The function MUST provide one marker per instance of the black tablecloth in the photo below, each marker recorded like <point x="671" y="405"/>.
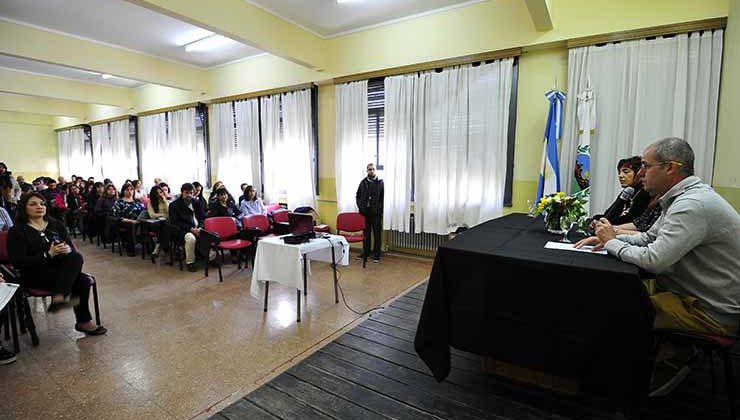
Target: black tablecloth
<point x="496" y="291"/>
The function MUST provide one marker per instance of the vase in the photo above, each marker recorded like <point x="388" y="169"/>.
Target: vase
<point x="552" y="222"/>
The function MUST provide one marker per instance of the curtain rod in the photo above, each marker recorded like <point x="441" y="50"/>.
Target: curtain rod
<point x="654" y="31"/>
<point x="70" y="127"/>
<point x="260" y="93"/>
<point x="110" y="120"/>
<point x="430" y="65"/>
<point x="168" y="109"/>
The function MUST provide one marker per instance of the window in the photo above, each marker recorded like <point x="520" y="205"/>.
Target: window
<point x="376" y="120"/>
<point x="376" y="127"/>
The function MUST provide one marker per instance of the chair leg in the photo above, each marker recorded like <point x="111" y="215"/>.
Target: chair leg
<point x="730" y="378"/>
<point x="96" y="303"/>
<point x="30" y="325"/>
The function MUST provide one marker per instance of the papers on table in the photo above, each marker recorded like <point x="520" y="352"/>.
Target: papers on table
<point x="569" y="247"/>
<point x="7" y="290"/>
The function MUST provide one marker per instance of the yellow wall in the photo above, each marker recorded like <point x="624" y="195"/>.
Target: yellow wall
<point x="726" y="173"/>
<point x="33" y="134"/>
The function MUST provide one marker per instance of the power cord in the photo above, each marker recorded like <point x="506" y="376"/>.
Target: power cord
<point x="339" y="285"/>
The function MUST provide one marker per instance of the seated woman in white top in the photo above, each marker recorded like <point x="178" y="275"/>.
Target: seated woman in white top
<point x="252" y="204"/>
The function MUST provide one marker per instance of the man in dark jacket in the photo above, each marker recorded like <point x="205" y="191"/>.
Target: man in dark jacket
<point x="188" y="215"/>
<point x="369" y="200"/>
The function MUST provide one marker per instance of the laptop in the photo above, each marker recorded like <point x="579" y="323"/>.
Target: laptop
<point x="301" y="228"/>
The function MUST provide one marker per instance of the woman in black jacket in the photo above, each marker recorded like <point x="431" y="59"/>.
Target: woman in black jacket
<point x="626" y="209"/>
<point x="222" y="207"/>
<point x="41" y="249"/>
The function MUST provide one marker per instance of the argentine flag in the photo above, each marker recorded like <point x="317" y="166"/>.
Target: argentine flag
<point x="550" y="169"/>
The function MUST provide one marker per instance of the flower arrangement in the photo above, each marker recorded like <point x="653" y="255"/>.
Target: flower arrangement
<point x="557" y="205"/>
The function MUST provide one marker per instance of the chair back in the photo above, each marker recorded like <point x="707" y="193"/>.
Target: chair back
<point x="4" y="257"/>
<point x="258" y="221"/>
<point x="224" y="226"/>
<point x="280" y="216"/>
<point x="350" y="222"/>
<point x="271" y="208"/>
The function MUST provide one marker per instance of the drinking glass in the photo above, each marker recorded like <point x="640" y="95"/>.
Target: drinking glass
<point x="531" y="207"/>
<point x="566" y="224"/>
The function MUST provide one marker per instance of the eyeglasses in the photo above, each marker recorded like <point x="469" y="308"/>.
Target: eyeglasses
<point x="646" y="165"/>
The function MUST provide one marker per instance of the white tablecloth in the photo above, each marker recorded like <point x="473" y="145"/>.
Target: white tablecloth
<point x="283" y="263"/>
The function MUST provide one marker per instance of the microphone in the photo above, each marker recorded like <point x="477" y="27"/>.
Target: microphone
<point x="627" y="193"/>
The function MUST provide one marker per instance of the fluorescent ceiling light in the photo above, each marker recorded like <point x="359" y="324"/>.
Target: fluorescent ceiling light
<point x="186" y="38"/>
<point x="106" y="76"/>
<point x="208" y="43"/>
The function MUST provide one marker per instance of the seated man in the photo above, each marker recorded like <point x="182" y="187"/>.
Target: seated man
<point x="693" y="249"/>
<point x="188" y="215"/>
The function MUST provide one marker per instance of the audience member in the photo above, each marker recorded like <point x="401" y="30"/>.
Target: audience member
<point x="41" y="249"/>
<point x="251" y="204"/>
<point x="8" y="181"/>
<point x="217" y="186"/>
<point x="92" y="198"/>
<point x="158" y="209"/>
<point x="166" y="189"/>
<point x="6" y="356"/>
<point x="188" y="215"/>
<point x="6" y="200"/>
<point x="369" y="199"/>
<point x="139" y="194"/>
<point x="6" y="222"/>
<point x="243" y="197"/>
<point x="198" y="194"/>
<point x="106" y="201"/>
<point x="127" y="209"/>
<point x="25" y="186"/>
<point x="222" y="207"/>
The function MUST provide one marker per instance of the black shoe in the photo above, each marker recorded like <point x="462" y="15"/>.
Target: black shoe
<point x="97" y="331"/>
<point x="6" y="357"/>
<point x="191" y="268"/>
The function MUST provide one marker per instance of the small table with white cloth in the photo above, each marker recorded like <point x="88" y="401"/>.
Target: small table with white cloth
<point x="283" y="263"/>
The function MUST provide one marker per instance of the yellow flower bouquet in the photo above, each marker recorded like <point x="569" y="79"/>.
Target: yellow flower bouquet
<point x="558" y="205"/>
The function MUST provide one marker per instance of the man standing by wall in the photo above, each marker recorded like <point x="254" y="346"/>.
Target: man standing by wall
<point x="369" y="200"/>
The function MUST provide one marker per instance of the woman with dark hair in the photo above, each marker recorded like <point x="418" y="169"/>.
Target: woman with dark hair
<point x="223" y="207"/>
<point x="93" y="195"/>
<point x="214" y="196"/>
<point x="252" y="204"/>
<point x="127" y="210"/>
<point x="166" y="189"/>
<point x="628" y="205"/>
<point x="139" y="193"/>
<point x="158" y="209"/>
<point x="41" y="249"/>
<point x="106" y="201"/>
<point x="198" y="194"/>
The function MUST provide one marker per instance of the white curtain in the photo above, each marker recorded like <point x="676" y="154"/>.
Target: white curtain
<point x="460" y="135"/>
<point x="272" y="146"/>
<point x="226" y="147"/>
<point x="399" y="118"/>
<point x="248" y="141"/>
<point x="351" y="135"/>
<point x="298" y="138"/>
<point x="114" y="154"/>
<point x="153" y="143"/>
<point x="185" y="164"/>
<point x="646" y="90"/>
<point x="74" y="157"/>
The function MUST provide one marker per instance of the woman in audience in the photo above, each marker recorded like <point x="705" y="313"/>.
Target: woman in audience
<point x="6" y="201"/>
<point x="139" y="194"/>
<point x="92" y="197"/>
<point x="166" y="189"/>
<point x="252" y="204"/>
<point x="106" y="201"/>
<point x="41" y="249"/>
<point x="627" y="207"/>
<point x="198" y="194"/>
<point x="74" y="204"/>
<point x="213" y="197"/>
<point x="158" y="208"/>
<point x="127" y="210"/>
<point x="6" y="222"/>
<point x="222" y="207"/>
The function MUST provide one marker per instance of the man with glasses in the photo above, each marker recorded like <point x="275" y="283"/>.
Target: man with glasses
<point x="693" y="249"/>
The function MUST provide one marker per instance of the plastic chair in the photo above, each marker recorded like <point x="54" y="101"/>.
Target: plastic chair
<point x="258" y="222"/>
<point x="349" y="224"/>
<point x="280" y="223"/>
<point x="224" y="228"/>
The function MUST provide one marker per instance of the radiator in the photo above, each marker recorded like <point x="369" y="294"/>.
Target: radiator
<point x="420" y="241"/>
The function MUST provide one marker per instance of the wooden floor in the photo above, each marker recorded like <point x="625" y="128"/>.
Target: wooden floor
<point x="373" y="372"/>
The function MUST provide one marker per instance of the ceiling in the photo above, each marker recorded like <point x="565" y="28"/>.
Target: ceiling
<point x="328" y="18"/>
<point x="46" y="69"/>
<point x="122" y="24"/>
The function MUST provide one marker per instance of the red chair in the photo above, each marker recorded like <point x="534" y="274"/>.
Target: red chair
<point x="280" y="222"/>
<point x="352" y="226"/>
<point x="270" y="208"/>
<point x="258" y="222"/>
<point x="224" y="228"/>
<point x="4" y="257"/>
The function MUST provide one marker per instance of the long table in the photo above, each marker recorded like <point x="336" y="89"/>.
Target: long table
<point x="495" y="291"/>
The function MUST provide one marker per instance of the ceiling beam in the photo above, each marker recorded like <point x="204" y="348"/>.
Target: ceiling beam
<point x="249" y="24"/>
<point x="36" y="44"/>
<point x="541" y="14"/>
<point x="36" y="105"/>
<point x="24" y="83"/>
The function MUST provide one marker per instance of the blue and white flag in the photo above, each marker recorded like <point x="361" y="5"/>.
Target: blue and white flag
<point x="549" y="182"/>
